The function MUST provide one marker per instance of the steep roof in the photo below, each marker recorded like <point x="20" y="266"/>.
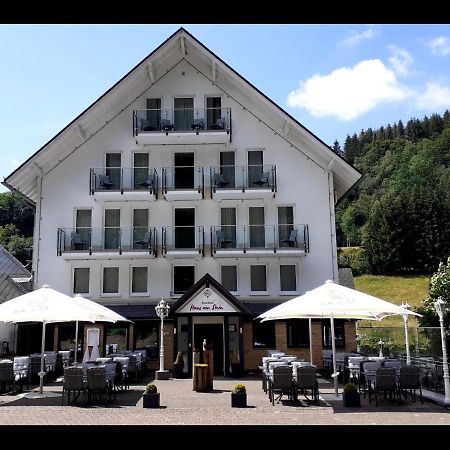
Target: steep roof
<point x="11" y="268"/>
<point x="181" y="45"/>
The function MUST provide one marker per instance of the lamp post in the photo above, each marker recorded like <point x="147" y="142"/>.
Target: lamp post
<point x="439" y="307"/>
<point x="162" y="311"/>
<point x="405" y="320"/>
<point x="381" y="343"/>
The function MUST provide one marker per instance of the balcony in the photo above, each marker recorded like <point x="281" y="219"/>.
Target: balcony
<point x="230" y="241"/>
<point x="124" y="183"/>
<point x="182" y="126"/>
<point x="183" y="183"/>
<point x="183" y="242"/>
<point x="106" y="243"/>
<point x="243" y="182"/>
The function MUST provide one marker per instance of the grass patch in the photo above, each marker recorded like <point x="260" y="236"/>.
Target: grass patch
<point x="394" y="289"/>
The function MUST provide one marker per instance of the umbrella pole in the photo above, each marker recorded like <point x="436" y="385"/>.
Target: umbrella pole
<point x="333" y="346"/>
<point x="310" y="342"/>
<point x="42" y="373"/>
<point x="76" y="342"/>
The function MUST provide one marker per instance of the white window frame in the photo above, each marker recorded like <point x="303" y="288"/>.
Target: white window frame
<point x="109" y="294"/>
<point x="237" y="276"/>
<point x="266" y="292"/>
<point x="282" y="293"/>
<point x="72" y="282"/>
<point x="139" y="294"/>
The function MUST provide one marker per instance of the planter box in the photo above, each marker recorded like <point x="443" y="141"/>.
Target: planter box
<point x="351" y="399"/>
<point x="238" y="400"/>
<point x="151" y="400"/>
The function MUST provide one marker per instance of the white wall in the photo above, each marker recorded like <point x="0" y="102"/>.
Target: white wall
<point x="300" y="183"/>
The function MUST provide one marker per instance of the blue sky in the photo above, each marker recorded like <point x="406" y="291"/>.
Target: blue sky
<point x="335" y="79"/>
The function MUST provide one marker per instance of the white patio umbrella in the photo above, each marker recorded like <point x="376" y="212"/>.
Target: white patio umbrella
<point x="334" y="301"/>
<point x="97" y="312"/>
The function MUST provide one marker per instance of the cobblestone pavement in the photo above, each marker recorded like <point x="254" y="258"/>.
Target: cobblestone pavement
<point x="180" y="405"/>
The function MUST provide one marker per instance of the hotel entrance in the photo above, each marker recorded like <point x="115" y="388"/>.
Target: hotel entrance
<point x="208" y="311"/>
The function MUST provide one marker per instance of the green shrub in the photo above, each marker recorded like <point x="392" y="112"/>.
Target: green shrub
<point x="239" y="389"/>
<point x="355" y="258"/>
<point x="350" y="387"/>
<point x="150" y="389"/>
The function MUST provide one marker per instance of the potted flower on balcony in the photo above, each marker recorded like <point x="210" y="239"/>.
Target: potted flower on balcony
<point x="351" y="396"/>
<point x="239" y="396"/>
<point x="151" y="396"/>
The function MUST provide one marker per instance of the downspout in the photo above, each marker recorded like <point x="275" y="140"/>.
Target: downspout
<point x="334" y="264"/>
<point x="37" y="234"/>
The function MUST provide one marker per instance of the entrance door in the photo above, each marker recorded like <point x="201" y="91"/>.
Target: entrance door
<point x="184" y="171"/>
<point x="213" y="333"/>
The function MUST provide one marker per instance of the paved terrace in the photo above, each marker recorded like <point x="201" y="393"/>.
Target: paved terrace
<point x="180" y="405"/>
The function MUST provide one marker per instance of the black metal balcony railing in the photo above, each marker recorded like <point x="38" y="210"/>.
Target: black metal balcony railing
<point x="271" y="237"/>
<point x="193" y="120"/>
<point x="183" y="178"/>
<point x="109" y="239"/>
<point x="123" y="179"/>
<point x="183" y="238"/>
<point x="244" y="177"/>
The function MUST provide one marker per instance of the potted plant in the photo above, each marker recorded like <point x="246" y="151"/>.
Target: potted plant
<point x="151" y="396"/>
<point x="351" y="397"/>
<point x="178" y="366"/>
<point x="239" y="396"/>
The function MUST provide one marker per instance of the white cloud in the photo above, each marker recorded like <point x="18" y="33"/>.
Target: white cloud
<point x="401" y="60"/>
<point x="355" y="37"/>
<point x="348" y="92"/>
<point x="440" y="46"/>
<point x="434" y="98"/>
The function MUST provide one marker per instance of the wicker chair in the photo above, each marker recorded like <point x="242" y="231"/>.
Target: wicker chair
<point x="73" y="382"/>
<point x="97" y="384"/>
<point x="281" y="383"/>
<point x="307" y="380"/>
<point x="385" y="382"/>
<point x="410" y="380"/>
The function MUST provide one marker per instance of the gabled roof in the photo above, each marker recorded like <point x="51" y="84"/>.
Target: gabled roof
<point x="205" y="282"/>
<point x="181" y="45"/>
<point x="11" y="268"/>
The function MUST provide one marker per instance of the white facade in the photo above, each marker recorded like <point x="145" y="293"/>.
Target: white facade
<point x="306" y="175"/>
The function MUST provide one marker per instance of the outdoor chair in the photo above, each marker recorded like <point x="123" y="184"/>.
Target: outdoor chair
<point x="7" y="377"/>
<point x="280" y="383"/>
<point x="97" y="385"/>
<point x="144" y="242"/>
<point x="263" y="181"/>
<point x="166" y="125"/>
<point x="219" y="181"/>
<point x="146" y="184"/>
<point x="77" y="242"/>
<point x="73" y="382"/>
<point x="221" y="241"/>
<point x="410" y="380"/>
<point x="219" y="125"/>
<point x="367" y="374"/>
<point x="104" y="182"/>
<point x="291" y="241"/>
<point x="307" y="381"/>
<point x="385" y="382"/>
<point x="197" y="124"/>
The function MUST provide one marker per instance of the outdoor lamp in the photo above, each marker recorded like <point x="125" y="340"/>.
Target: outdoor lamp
<point x="380" y="343"/>
<point x="162" y="311"/>
<point x="405" y="320"/>
<point x="439" y="306"/>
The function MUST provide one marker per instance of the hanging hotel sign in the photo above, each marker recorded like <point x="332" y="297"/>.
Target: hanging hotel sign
<point x="207" y="301"/>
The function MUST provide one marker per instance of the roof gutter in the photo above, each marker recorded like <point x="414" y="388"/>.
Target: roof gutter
<point x="20" y="194"/>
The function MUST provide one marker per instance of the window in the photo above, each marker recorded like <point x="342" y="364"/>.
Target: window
<point x="153" y="115"/>
<point x="141" y="174"/>
<point x="112" y="229"/>
<point x="83" y="223"/>
<point x="255" y="167"/>
<point x="141" y="231"/>
<point x="139" y="280"/>
<point x="183" y="113"/>
<point x="229" y="278"/>
<point x="285" y="224"/>
<point x="257" y="229"/>
<point x="116" y="339"/>
<point x="264" y="334"/>
<point x="297" y="332"/>
<point x="213" y="111"/>
<point x="258" y="280"/>
<point x="81" y="280"/>
<point x="113" y="169"/>
<point x="228" y="226"/>
<point x="110" y="280"/>
<point x="183" y="278"/>
<point x="339" y="333"/>
<point x="288" y="281"/>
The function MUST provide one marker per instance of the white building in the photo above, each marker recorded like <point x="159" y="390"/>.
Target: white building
<point x="182" y="169"/>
